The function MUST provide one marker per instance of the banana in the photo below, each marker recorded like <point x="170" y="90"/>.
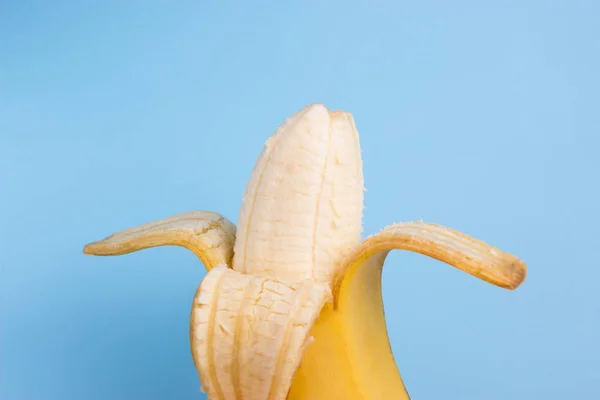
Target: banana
<point x="291" y="306"/>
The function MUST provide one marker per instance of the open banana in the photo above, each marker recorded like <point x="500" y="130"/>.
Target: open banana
<point x="291" y="307"/>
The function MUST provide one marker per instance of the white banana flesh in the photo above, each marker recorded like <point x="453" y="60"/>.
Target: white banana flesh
<point x="291" y="307"/>
<point x="302" y="211"/>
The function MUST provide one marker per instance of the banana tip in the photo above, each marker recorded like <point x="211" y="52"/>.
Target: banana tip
<point x="90" y="249"/>
<point x="518" y="273"/>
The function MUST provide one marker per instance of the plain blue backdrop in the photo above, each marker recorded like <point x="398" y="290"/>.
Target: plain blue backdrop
<point x="483" y="116"/>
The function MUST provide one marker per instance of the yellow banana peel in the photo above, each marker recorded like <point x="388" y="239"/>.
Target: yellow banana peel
<point x="291" y="306"/>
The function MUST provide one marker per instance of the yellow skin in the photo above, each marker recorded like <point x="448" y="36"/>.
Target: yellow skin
<point x="351" y="345"/>
<point x="345" y="353"/>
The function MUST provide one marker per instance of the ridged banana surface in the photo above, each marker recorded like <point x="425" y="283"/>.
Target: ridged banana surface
<point x="249" y="332"/>
<point x="291" y="306"/>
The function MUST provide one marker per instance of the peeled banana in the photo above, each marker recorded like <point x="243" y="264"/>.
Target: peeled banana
<point x="291" y="306"/>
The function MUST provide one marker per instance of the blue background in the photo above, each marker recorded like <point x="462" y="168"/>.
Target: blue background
<point x="483" y="116"/>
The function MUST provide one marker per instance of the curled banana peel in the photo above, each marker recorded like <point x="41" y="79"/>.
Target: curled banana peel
<point x="353" y="333"/>
<point x="208" y="235"/>
<point x="291" y="306"/>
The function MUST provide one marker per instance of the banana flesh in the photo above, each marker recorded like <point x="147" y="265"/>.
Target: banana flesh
<point x="302" y="211"/>
<point x="291" y="307"/>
